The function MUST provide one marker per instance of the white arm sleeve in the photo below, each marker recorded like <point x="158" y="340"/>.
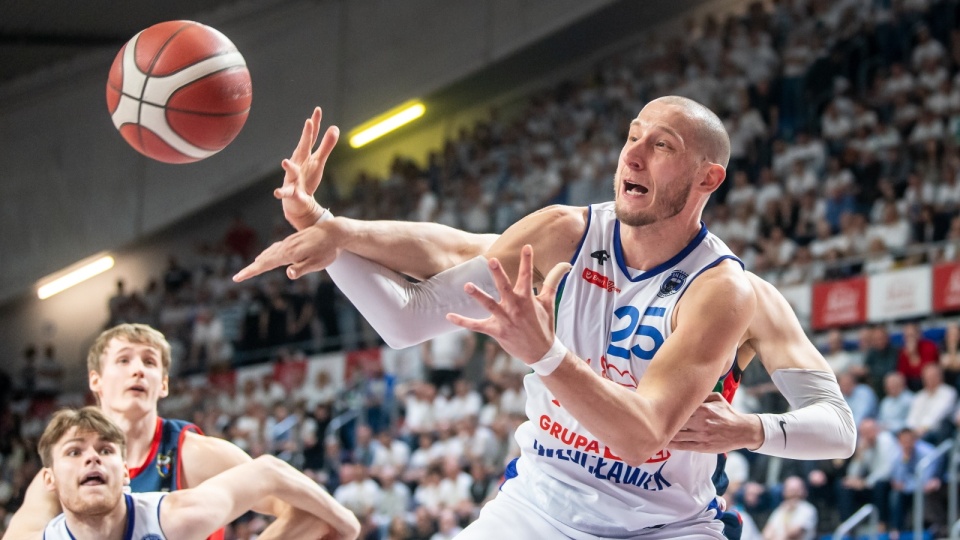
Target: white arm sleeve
<point x="820" y="424"/>
<point x="406" y="313"/>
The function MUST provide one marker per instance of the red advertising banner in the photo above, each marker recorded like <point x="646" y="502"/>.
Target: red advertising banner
<point x="839" y="303"/>
<point x="946" y="287"/>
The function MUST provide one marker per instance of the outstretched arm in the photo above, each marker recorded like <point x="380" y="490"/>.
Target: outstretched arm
<point x="206" y="457"/>
<point x="419" y="250"/>
<point x="198" y="512"/>
<point x="820" y="424"/>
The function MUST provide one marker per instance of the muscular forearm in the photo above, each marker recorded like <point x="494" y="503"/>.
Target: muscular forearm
<point x="295" y="523"/>
<point x="417" y="249"/>
<point x="590" y="398"/>
<point x="292" y="487"/>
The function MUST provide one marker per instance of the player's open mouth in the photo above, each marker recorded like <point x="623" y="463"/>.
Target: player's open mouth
<point x="93" y="479"/>
<point x="635" y="189"/>
<point x="137" y="388"/>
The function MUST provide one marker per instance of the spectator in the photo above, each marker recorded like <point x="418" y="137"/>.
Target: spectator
<point x="794" y="518"/>
<point x="860" y="397"/>
<point x="903" y="480"/>
<point x="950" y="355"/>
<point x="28" y="371"/>
<point x="836" y="355"/>
<point x="917" y="352"/>
<point x="446" y="356"/>
<point x="881" y="357"/>
<point x="357" y="492"/>
<point x="240" y="239"/>
<point x="931" y="406"/>
<point x="895" y="405"/>
<point x="394" y="500"/>
<point x="868" y="476"/>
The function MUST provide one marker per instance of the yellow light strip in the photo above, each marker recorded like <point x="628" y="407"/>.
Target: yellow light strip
<point x="79" y="275"/>
<point x="404" y="115"/>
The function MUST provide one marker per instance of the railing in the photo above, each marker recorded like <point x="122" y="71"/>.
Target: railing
<point x="866" y="511"/>
<point x="955" y="531"/>
<point x="922" y="466"/>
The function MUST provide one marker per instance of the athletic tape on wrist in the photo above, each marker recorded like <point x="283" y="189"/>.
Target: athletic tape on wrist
<point x="551" y="360"/>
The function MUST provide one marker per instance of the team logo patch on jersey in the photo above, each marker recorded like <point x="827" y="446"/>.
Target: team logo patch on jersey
<point x="672" y="284"/>
<point x="163" y="464"/>
<point x="152" y="537"/>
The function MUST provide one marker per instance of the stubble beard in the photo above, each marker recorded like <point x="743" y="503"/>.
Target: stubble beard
<point x="673" y="203"/>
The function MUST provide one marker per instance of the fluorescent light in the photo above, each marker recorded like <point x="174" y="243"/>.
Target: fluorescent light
<point x="394" y="119"/>
<point x="74" y="277"/>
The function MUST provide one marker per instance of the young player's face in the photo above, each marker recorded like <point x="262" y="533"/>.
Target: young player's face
<point x="87" y="473"/>
<point x="131" y="377"/>
<point x="656" y="168"/>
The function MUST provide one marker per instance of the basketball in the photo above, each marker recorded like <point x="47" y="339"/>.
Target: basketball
<point x="179" y="92"/>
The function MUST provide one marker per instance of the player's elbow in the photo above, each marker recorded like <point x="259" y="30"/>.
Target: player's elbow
<point x="847" y="441"/>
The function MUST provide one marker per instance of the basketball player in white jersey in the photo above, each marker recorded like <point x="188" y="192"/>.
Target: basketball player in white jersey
<point x="83" y="458"/>
<point x="128" y="367"/>
<point x="595" y="451"/>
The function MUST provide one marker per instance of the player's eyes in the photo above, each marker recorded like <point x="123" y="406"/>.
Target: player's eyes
<point x="106" y="450"/>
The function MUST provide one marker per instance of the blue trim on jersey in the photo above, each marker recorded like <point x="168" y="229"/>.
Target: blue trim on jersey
<point x="707" y="267"/>
<point x="131" y="518"/>
<point x="576" y="254"/>
<point x="509" y="472"/>
<point x="618" y="253"/>
<point x="158" y="512"/>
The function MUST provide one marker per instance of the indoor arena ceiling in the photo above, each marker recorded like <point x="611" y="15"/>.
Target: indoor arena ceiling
<point x="39" y="33"/>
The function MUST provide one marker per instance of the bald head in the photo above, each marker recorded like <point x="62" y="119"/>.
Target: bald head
<point x="710" y="136"/>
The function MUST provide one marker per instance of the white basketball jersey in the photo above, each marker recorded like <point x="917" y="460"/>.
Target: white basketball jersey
<point x="614" y="318"/>
<point x="143" y="519"/>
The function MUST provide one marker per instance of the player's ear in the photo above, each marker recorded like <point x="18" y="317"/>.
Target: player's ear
<point x="126" y="474"/>
<point x="95" y="382"/>
<point x="165" y="386"/>
<point x="49" y="481"/>
<point x="712" y="177"/>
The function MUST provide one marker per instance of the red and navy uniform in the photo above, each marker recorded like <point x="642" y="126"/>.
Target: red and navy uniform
<point x="162" y="470"/>
<point x="732" y="523"/>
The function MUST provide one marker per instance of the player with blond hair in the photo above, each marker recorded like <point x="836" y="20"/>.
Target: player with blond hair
<point x="83" y="454"/>
<point x="128" y="369"/>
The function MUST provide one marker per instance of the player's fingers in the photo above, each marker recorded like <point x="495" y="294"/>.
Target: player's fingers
<point x="714" y="396"/>
<point x="284" y="192"/>
<point x="485" y="300"/>
<point x="524" y="285"/>
<point x="260" y="265"/>
<point x="311" y="263"/>
<point x="293" y="171"/>
<point x="500" y="278"/>
<point x="552" y="281"/>
<point x="474" y="325"/>
<point x="302" y="150"/>
<point x="329" y="141"/>
<point x="315" y="125"/>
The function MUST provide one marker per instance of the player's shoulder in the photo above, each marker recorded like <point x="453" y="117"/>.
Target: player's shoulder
<point x="205" y="456"/>
<point x="560" y="216"/>
<point x="725" y="281"/>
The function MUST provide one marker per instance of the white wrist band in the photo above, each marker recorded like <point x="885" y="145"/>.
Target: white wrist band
<point x="551" y="360"/>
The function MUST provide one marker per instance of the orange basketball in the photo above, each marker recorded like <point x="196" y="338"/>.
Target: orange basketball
<point x="179" y="91"/>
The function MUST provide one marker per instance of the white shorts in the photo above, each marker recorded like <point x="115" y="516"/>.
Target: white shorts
<point x="510" y="518"/>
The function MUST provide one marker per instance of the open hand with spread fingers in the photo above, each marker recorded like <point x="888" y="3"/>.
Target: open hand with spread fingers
<point x="521" y="322"/>
<point x="303" y="172"/>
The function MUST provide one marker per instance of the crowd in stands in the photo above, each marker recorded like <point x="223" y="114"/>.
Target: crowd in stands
<point x="844" y="118"/>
